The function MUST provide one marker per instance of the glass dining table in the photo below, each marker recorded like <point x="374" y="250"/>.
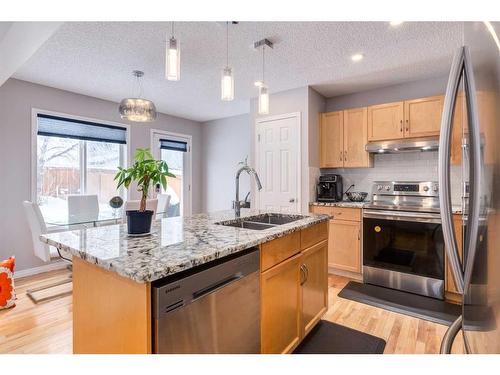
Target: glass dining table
<point x="106" y="216"/>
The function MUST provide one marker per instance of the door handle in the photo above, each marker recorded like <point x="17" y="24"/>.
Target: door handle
<point x="450" y="240"/>
<point x="450" y="335"/>
<point x="291" y="200"/>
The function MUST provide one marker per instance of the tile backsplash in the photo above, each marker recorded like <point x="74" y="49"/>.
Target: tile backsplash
<point x="414" y="166"/>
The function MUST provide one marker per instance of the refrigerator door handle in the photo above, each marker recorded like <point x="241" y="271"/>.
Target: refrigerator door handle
<point x="475" y="167"/>
<point x="445" y="208"/>
<point x="450" y="335"/>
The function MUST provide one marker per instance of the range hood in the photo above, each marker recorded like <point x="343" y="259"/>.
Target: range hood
<point x="403" y="145"/>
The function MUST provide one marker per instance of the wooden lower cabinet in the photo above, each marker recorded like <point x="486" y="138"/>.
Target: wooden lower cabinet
<point x="280" y="293"/>
<point x="294" y="295"/>
<point x="450" y="288"/>
<point x="344" y="252"/>
<point x="314" y="285"/>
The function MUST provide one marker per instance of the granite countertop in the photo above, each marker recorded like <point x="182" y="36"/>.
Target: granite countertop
<point x="341" y="204"/>
<point x="175" y="244"/>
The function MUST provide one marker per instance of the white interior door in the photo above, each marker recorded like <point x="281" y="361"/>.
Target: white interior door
<point x="179" y="162"/>
<point x="278" y="162"/>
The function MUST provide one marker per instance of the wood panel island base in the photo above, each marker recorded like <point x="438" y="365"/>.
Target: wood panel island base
<point x="112" y="300"/>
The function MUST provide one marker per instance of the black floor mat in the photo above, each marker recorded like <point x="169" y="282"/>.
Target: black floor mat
<point x="421" y="307"/>
<point x="331" y="338"/>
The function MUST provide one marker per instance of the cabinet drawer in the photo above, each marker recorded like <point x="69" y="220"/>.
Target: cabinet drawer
<point x="326" y="210"/>
<point x="346" y="213"/>
<point x="314" y="234"/>
<point x="276" y="251"/>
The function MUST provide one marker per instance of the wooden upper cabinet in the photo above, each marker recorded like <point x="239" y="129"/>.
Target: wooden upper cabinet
<point x="280" y="307"/>
<point x="385" y="121"/>
<point x="355" y="138"/>
<point x="331" y="134"/>
<point x="423" y="116"/>
<point x="314" y="285"/>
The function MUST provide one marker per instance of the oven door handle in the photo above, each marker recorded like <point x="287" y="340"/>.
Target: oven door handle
<point x="450" y="99"/>
<point x="421" y="217"/>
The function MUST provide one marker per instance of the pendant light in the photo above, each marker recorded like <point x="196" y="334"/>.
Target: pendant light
<point x="263" y="89"/>
<point x="227" y="80"/>
<point x="137" y="109"/>
<point x="173" y="59"/>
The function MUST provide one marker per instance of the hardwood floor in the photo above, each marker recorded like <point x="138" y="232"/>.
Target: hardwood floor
<point x="47" y="327"/>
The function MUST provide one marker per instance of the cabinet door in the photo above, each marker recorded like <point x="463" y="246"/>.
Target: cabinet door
<point x="344" y="250"/>
<point x="280" y="307"/>
<point x="331" y="135"/>
<point x="457" y="225"/>
<point x="314" y="269"/>
<point x="355" y="138"/>
<point x="423" y="116"/>
<point x="385" y="121"/>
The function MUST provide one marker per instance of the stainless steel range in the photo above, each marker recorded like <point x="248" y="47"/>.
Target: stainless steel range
<point x="403" y="245"/>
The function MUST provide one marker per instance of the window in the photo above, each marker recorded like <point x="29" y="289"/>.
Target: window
<point x="76" y="157"/>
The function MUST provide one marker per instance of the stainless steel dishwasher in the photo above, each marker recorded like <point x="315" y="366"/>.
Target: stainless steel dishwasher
<point x="214" y="308"/>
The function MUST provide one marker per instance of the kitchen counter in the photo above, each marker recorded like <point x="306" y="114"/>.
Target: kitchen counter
<point x="348" y="204"/>
<point x="174" y="245"/>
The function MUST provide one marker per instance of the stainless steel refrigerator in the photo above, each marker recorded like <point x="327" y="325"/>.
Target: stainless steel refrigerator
<point x="469" y="180"/>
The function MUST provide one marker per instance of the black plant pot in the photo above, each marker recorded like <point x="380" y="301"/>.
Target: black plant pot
<point x="139" y="222"/>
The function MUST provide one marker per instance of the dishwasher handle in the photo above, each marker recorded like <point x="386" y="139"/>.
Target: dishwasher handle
<point x="214" y="287"/>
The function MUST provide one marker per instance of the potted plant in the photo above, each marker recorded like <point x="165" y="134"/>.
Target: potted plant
<point x="147" y="172"/>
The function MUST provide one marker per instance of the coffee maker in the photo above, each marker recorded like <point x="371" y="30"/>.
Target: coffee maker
<point x="329" y="188"/>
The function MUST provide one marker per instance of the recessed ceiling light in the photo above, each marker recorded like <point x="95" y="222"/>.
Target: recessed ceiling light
<point x="357" y="57"/>
<point x="258" y="83"/>
<point x="396" y="23"/>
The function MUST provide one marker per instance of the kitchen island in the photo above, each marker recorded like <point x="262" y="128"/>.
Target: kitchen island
<point x="113" y="273"/>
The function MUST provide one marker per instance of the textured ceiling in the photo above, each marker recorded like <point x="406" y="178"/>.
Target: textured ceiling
<point x="96" y="59"/>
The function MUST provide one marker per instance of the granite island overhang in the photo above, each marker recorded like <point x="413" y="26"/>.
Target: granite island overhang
<point x="113" y="272"/>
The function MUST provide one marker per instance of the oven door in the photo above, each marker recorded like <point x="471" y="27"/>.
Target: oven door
<point x="404" y="250"/>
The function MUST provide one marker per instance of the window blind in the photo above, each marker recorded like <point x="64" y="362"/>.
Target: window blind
<point x="169" y="144"/>
<point x="55" y="126"/>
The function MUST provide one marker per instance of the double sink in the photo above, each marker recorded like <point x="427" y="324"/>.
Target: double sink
<point x="262" y="222"/>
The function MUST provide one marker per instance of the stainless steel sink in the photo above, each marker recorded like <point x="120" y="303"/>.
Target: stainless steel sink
<point x="261" y="222"/>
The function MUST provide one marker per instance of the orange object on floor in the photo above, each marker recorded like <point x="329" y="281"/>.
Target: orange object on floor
<point x="7" y="292"/>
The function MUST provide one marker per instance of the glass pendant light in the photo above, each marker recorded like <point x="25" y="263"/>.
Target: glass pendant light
<point x="263" y="90"/>
<point x="227" y="80"/>
<point x="137" y="109"/>
<point x="173" y="59"/>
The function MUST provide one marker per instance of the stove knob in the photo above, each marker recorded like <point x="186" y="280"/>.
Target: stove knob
<point x="379" y="187"/>
<point x="426" y="188"/>
<point x="387" y="187"/>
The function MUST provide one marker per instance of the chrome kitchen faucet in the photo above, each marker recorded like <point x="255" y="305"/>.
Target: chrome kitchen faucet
<point x="237" y="204"/>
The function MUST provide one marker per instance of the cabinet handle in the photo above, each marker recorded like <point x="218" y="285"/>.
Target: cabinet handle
<point x="359" y="234"/>
<point x="340" y="156"/>
<point x="302" y="274"/>
<point x="401" y="126"/>
<point x="407" y="126"/>
<point x="306" y="271"/>
<point x="345" y="155"/>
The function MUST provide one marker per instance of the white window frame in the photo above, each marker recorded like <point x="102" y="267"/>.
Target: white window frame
<point x="187" y="206"/>
<point x="34" y="144"/>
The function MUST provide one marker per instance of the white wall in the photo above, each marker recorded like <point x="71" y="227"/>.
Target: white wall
<point x="225" y="143"/>
<point x="393" y="93"/>
<point x="17" y="98"/>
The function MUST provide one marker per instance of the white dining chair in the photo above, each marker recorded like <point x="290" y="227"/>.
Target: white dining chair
<point x="151" y="204"/>
<point x="83" y="208"/>
<point x="163" y="205"/>
<point x="43" y="251"/>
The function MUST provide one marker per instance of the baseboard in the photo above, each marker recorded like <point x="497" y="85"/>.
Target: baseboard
<point x="41" y="269"/>
<point x="348" y="274"/>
